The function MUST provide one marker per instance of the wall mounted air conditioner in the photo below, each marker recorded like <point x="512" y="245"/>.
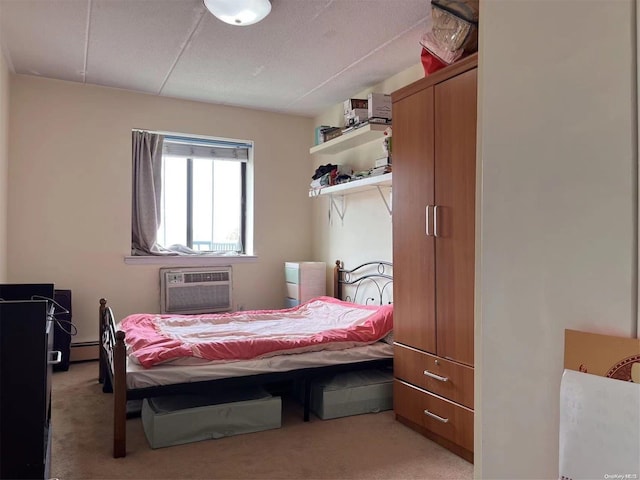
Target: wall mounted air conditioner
<point x="195" y="290"/>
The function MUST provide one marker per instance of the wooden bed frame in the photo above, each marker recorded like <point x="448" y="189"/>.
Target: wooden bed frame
<point x="112" y="373"/>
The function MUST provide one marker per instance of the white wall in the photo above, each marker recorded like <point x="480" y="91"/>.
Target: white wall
<point x="558" y="212"/>
<point x="70" y="192"/>
<point x="365" y="233"/>
<point x="4" y="163"/>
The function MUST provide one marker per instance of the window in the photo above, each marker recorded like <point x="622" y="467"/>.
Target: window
<point x="203" y="196"/>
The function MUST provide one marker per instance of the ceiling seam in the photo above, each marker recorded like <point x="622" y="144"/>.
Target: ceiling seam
<point x="182" y="49"/>
<point x="320" y="12"/>
<point x="87" y="31"/>
<point x="379" y="47"/>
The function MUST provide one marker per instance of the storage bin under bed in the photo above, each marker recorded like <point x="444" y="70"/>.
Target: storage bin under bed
<point x="352" y="393"/>
<point x="174" y="420"/>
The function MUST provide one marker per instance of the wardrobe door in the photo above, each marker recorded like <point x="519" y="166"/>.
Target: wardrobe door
<point x="413" y="248"/>
<point x="455" y="179"/>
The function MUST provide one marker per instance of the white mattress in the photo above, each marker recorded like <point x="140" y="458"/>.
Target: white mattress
<point x="167" y="374"/>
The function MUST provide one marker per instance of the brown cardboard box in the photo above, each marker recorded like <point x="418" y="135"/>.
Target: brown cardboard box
<point x="604" y="355"/>
<point x="353" y="103"/>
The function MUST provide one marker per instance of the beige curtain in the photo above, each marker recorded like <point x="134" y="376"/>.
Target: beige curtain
<point x="147" y="188"/>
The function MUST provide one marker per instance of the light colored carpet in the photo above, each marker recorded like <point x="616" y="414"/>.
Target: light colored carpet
<point x="371" y="446"/>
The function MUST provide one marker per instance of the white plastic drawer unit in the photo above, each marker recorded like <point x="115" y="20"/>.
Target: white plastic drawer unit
<point x="304" y="281"/>
<point x="292" y="272"/>
<point x="293" y="291"/>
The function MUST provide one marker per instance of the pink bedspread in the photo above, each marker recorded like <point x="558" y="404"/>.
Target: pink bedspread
<point x="323" y="323"/>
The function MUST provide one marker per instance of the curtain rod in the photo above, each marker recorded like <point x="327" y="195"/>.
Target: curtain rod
<point x="200" y="139"/>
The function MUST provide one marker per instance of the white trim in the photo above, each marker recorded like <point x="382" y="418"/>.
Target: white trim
<point x="189" y="260"/>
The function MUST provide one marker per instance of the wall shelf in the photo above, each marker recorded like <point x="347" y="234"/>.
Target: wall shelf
<point x="351" y="139"/>
<point x="355" y="186"/>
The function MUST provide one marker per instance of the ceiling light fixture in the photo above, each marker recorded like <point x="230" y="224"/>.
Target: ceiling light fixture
<point x="239" y="12"/>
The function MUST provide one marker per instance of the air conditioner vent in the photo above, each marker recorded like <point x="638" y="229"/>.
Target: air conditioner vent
<point x="206" y="277"/>
<point x="195" y="290"/>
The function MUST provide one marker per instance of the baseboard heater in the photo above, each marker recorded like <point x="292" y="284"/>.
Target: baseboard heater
<point x="83" y="351"/>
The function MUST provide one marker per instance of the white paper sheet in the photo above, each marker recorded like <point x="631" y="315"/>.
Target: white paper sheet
<point x="599" y="428"/>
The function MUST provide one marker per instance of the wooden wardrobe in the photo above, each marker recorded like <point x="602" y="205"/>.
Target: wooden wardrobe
<point x="434" y="179"/>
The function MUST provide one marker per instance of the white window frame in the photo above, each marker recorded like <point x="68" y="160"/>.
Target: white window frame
<point x="205" y="259"/>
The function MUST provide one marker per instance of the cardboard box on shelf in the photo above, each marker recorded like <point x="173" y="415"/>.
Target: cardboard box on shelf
<point x="331" y="133"/>
<point x="603" y="355"/>
<point x="379" y="105"/>
<point x="354" y="103"/>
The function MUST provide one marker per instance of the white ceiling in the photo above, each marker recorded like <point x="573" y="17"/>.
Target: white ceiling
<point x="305" y="57"/>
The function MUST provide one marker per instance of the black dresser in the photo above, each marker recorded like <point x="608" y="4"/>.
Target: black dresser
<point x="26" y="360"/>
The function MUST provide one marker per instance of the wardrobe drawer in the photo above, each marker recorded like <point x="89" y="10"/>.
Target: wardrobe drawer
<point x="443" y="377"/>
<point x="438" y="415"/>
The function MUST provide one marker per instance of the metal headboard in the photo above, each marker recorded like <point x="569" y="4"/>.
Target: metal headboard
<point x="378" y="274"/>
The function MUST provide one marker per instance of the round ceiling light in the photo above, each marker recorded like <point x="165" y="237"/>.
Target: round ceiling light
<point x="239" y="12"/>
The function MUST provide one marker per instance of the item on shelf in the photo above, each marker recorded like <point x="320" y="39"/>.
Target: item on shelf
<point x="330" y="133"/>
<point x="379" y="170"/>
<point x="355" y="136"/>
<point x="327" y="175"/>
<point x="322" y="170"/>
<point x="468" y="10"/>
<point x="319" y="137"/>
<point x="382" y="161"/>
<point x="353" y="104"/>
<point x="355" y="111"/>
<point x="355" y="126"/>
<point x="355" y="116"/>
<point x="430" y="62"/>
<point x="386" y="142"/>
<point x="451" y="35"/>
<point x="372" y="172"/>
<point x="379" y="106"/>
<point x="382" y="121"/>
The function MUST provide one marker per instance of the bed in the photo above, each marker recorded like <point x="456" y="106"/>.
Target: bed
<point x="369" y="284"/>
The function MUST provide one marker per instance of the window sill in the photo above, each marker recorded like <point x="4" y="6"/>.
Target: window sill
<point x="186" y="260"/>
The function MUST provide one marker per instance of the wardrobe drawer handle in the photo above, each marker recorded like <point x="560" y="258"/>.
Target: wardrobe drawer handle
<point x="437" y="417"/>
<point x="437" y="377"/>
